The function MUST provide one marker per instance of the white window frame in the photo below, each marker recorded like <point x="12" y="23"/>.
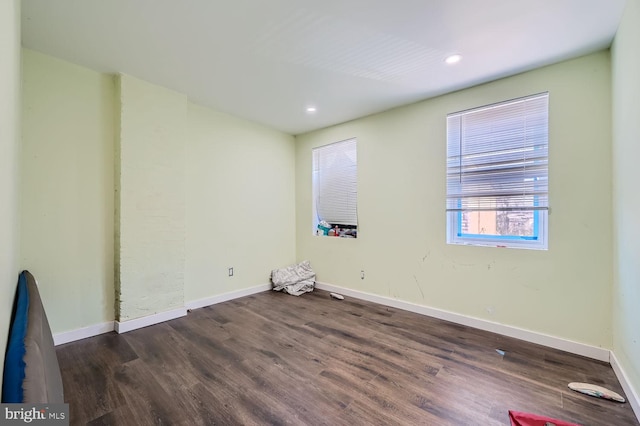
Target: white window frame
<point x="473" y="193"/>
<point x="341" y="193"/>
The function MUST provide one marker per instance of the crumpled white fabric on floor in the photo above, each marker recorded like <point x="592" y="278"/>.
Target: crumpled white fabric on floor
<point x="294" y="279"/>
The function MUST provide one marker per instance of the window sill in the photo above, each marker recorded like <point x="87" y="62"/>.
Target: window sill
<point x="506" y="245"/>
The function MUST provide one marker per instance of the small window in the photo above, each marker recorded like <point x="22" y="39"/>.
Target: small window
<point x="497" y="174"/>
<point x="335" y="189"/>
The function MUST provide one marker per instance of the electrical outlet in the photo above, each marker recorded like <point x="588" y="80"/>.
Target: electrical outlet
<point x="231" y="271"/>
<point x="362" y="274"/>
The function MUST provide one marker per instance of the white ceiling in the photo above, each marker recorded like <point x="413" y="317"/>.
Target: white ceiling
<point x="268" y="60"/>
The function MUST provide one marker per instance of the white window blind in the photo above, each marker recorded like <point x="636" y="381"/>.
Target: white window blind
<point x="335" y="176"/>
<point x="497" y="156"/>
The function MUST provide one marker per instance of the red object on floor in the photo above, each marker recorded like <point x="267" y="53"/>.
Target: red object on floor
<point x="527" y="419"/>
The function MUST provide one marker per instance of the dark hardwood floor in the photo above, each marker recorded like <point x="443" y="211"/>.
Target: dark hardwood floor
<point x="272" y="358"/>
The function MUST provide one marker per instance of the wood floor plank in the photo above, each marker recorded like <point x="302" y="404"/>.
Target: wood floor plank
<point x="87" y="367"/>
<point x="271" y="358"/>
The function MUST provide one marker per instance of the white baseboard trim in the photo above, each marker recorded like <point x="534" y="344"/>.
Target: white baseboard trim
<point x="224" y="297"/>
<point x="588" y="351"/>
<point x="630" y="392"/>
<point x="82" y="333"/>
<point x="125" y="326"/>
<point x="134" y="324"/>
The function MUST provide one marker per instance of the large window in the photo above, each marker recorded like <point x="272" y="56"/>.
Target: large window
<point x="335" y="189"/>
<point x="497" y="174"/>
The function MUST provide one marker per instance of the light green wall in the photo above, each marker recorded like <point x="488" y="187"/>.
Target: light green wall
<point x="67" y="189"/>
<point x="237" y="178"/>
<point x="564" y="292"/>
<point x="240" y="203"/>
<point x="9" y="162"/>
<point x="626" y="198"/>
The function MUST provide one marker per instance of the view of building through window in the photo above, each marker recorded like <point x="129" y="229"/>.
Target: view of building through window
<point x="500" y="222"/>
<point x="516" y="223"/>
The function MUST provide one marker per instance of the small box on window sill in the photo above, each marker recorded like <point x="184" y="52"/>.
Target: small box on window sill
<point x="323" y="229"/>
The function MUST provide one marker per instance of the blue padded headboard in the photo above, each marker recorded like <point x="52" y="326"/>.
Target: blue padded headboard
<point x="14" y="365"/>
<point x="31" y="369"/>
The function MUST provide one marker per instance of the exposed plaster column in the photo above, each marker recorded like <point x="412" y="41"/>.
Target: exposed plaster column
<point x="150" y="202"/>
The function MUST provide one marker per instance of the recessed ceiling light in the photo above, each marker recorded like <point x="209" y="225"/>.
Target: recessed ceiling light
<point x="311" y="109"/>
<point x="453" y="59"/>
